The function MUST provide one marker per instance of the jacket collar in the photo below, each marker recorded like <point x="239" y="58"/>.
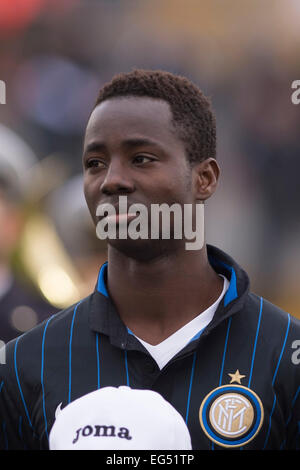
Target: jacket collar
<point x="235" y="297"/>
<point x="104" y="318"/>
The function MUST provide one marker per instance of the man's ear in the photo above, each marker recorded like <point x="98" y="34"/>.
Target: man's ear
<point x="205" y="177"/>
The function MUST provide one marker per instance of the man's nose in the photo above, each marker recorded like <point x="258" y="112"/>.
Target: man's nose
<point x="117" y="180"/>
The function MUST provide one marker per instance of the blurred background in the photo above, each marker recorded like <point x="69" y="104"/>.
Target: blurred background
<point x="54" y="57"/>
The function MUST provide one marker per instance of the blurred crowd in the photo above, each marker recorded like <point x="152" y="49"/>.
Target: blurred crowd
<point x="56" y="54"/>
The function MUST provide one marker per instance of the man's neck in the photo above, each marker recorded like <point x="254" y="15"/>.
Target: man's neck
<point x="156" y="298"/>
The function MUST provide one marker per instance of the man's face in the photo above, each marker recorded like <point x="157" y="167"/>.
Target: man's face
<point x="131" y="149"/>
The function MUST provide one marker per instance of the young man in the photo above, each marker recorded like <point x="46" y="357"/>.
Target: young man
<point x="176" y="321"/>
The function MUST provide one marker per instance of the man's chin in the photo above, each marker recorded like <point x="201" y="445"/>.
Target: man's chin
<point x="142" y="250"/>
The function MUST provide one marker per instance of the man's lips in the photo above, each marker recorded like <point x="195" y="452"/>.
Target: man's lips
<point x="119" y="218"/>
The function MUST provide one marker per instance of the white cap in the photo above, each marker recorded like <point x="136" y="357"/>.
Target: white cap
<point x="119" y="418"/>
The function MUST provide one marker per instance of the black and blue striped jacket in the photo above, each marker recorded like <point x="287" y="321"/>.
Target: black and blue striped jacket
<point x="87" y="346"/>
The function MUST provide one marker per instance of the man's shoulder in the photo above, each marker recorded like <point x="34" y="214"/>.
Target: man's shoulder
<point x="274" y="326"/>
<point x="273" y="313"/>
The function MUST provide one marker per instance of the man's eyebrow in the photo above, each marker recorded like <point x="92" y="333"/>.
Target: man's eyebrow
<point x="126" y="144"/>
<point x="138" y="142"/>
<point x="94" y="147"/>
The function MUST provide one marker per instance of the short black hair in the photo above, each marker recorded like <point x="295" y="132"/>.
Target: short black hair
<point x="193" y="118"/>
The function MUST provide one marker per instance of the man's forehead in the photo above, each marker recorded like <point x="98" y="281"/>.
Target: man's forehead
<point x="134" y="115"/>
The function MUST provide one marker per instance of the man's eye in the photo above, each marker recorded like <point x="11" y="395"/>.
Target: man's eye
<point x="94" y="163"/>
<point x="140" y="159"/>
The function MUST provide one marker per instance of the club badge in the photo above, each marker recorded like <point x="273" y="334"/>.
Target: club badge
<point x="231" y="415"/>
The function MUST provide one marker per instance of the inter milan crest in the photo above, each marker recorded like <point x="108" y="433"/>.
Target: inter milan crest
<point x="231" y="415"/>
